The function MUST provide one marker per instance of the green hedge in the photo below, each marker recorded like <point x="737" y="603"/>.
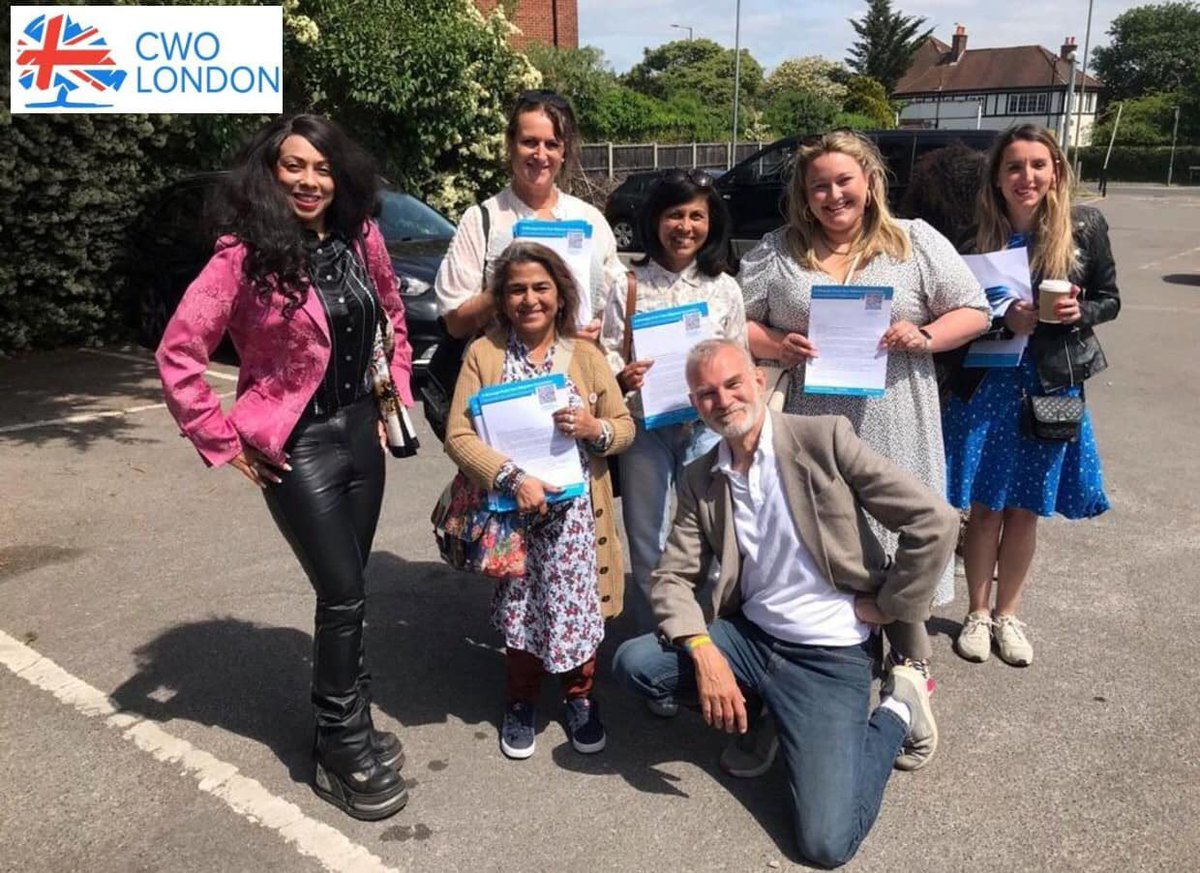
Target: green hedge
<point x="1140" y="163"/>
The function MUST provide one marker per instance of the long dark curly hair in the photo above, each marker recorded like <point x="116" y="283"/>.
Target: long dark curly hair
<point x="253" y="207"/>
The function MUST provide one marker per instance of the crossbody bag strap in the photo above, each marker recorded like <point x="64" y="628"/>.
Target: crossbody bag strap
<point x="485" y="218"/>
<point x="630" y="306"/>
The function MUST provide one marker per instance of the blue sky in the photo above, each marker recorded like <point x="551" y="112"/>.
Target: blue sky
<point x="774" y="30"/>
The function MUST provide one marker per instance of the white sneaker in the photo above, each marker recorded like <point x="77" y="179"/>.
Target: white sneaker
<point x="975" y="639"/>
<point x="1012" y="644"/>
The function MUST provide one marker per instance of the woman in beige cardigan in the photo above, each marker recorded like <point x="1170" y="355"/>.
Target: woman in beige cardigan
<point x="552" y="618"/>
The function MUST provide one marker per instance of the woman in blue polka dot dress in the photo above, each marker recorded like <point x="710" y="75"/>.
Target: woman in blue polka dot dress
<point x="1008" y="479"/>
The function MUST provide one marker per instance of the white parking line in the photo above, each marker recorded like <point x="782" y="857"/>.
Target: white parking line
<point x="245" y="796"/>
<point x="85" y="417"/>
<point x="1160" y="261"/>
<point x="149" y="362"/>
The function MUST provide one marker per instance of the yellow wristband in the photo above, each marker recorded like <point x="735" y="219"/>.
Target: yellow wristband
<point x="693" y="643"/>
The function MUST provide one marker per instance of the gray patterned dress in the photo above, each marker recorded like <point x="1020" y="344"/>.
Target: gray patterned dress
<point x="905" y="424"/>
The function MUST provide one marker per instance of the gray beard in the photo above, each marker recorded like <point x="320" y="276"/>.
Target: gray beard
<point x="735" y="431"/>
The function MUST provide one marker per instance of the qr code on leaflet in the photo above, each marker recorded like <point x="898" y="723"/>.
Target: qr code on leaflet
<point x="545" y="395"/>
<point x="575" y="240"/>
<point x="873" y="301"/>
<point x="691" y="321"/>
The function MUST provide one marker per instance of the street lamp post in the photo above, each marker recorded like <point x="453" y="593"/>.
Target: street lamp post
<point x="737" y="79"/>
<point x="684" y="27"/>
<point x="1066" y="131"/>
<point x="1087" y="41"/>
<point x="1174" y="137"/>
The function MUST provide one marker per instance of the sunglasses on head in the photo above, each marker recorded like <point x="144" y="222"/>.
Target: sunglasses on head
<point x="543" y="96"/>
<point x="700" y="178"/>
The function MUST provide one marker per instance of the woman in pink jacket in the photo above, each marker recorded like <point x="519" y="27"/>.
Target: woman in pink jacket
<point x="300" y="282"/>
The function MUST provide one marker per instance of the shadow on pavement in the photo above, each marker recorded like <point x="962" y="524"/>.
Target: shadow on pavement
<point x="52" y="386"/>
<point x="946" y="627"/>
<point x="247" y="678"/>
<point x="1182" y="278"/>
<point x="432" y="654"/>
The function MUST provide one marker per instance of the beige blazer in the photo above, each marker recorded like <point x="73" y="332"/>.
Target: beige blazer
<point x="482" y="366"/>
<point x="830" y="478"/>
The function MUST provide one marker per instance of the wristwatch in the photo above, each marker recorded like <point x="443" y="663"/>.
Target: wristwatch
<point x="928" y="338"/>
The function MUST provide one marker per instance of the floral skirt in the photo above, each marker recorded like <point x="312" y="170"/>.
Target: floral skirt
<point x="553" y="611"/>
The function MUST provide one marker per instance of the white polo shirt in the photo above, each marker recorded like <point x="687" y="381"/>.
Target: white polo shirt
<point x="784" y="592"/>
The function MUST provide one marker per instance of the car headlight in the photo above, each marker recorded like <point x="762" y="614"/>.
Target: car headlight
<point x="412" y="287"/>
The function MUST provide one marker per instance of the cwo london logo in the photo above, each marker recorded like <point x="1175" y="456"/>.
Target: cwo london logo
<point x="179" y="59"/>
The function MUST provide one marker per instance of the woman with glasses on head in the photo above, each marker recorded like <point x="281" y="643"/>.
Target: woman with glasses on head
<point x="552" y="617"/>
<point x="1009" y="478"/>
<point x="542" y="141"/>
<point x="840" y="231"/>
<point x="685" y="225"/>
<point x="302" y="283"/>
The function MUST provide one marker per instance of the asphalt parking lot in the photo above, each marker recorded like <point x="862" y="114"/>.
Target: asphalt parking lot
<point x="155" y="633"/>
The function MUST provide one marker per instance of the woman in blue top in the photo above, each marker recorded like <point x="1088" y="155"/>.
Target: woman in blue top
<point x="1007" y="478"/>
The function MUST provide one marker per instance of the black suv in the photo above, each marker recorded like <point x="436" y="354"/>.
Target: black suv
<point x="756" y="188"/>
<point x="172" y="244"/>
<point x="621" y="209"/>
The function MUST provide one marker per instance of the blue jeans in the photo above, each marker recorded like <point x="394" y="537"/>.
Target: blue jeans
<point x="649" y="470"/>
<point x="839" y="755"/>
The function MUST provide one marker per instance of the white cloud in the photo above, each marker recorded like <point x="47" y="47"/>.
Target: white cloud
<point x="777" y="29"/>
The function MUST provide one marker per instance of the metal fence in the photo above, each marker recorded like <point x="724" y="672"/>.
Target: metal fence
<point x="612" y="159"/>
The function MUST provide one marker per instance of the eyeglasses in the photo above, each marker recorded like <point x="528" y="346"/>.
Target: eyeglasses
<point x="542" y="95"/>
<point x="702" y="179"/>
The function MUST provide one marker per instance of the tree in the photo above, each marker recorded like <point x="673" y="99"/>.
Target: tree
<point x="1154" y="49"/>
<point x="700" y="67"/>
<point x="812" y="74"/>
<point x="425" y="85"/>
<point x="625" y="115"/>
<point x="799" y="112"/>
<point x="581" y="75"/>
<point x="867" y="98"/>
<point x="887" y="41"/>
<point x="1144" y="121"/>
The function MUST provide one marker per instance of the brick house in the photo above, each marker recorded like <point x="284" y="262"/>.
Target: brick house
<point x="552" y="22"/>
<point x="953" y="87"/>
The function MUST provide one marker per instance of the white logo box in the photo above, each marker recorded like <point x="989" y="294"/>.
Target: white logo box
<point x="160" y="59"/>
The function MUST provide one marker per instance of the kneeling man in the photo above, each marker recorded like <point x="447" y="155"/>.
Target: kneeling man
<point x="780" y="502"/>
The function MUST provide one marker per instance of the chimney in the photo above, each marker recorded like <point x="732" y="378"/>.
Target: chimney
<point x="958" y="44"/>
<point x="1067" y="47"/>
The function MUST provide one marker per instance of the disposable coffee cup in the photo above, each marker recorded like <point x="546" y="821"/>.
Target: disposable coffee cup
<point x="1049" y="293"/>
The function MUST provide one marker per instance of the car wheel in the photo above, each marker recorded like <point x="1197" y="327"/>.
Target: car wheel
<point x="623" y="233"/>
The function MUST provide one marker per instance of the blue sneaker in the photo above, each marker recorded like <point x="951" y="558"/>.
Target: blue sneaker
<point x="517" y="736"/>
<point x="581" y="717"/>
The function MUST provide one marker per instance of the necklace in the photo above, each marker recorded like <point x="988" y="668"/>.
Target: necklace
<point x="833" y="251"/>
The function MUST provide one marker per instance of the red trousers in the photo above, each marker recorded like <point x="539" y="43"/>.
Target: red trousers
<point x="523" y="674"/>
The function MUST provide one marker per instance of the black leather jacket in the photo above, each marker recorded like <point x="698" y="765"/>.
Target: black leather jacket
<point x="1065" y="354"/>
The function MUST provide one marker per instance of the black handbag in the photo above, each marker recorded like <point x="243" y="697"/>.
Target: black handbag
<point x="442" y="374"/>
<point x="1052" y="418"/>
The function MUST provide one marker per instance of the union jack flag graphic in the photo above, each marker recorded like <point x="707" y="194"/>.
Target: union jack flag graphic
<point x="57" y="53"/>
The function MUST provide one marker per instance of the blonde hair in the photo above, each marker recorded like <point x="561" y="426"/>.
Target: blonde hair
<point x="881" y="234"/>
<point x="1052" y="250"/>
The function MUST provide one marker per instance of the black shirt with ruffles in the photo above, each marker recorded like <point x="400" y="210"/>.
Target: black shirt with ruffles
<point x="344" y="288"/>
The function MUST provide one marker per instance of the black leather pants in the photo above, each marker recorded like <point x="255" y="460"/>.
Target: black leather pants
<point x="327" y="507"/>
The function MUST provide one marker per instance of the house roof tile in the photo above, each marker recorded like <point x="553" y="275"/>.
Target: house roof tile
<point x="986" y="69"/>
